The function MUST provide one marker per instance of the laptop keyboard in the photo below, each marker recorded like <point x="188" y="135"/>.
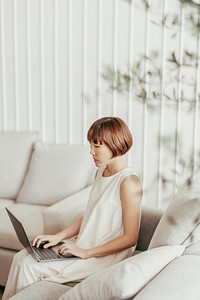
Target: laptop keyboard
<point x="47" y="254"/>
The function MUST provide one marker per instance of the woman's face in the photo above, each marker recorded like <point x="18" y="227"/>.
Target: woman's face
<point x="101" y="153"/>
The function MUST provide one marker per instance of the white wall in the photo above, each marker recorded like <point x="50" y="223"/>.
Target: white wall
<point x="52" y="57"/>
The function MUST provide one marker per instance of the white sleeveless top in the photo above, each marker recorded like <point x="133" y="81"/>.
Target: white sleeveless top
<point x="102" y="221"/>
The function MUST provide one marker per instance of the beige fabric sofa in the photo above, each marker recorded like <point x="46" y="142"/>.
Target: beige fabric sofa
<point x="45" y="186"/>
<point x="178" y="280"/>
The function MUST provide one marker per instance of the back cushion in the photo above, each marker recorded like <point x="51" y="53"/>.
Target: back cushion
<point x="15" y="152"/>
<point x="180" y="223"/>
<point x="56" y="171"/>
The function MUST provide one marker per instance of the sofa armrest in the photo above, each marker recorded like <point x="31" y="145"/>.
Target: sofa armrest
<point x="65" y="212"/>
<point x="41" y="290"/>
<point x="149" y="221"/>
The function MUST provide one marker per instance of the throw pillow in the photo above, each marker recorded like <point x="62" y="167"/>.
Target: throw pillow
<point x="15" y="154"/>
<point x="55" y="172"/>
<point x="180" y="221"/>
<point x="126" y="278"/>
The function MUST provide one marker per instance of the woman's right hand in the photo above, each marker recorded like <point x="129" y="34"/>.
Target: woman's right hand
<point x="49" y="240"/>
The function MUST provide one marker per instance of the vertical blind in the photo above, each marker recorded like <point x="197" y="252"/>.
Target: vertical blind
<point x="65" y="63"/>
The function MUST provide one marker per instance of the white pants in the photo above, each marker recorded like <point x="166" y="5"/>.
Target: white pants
<point x="25" y="270"/>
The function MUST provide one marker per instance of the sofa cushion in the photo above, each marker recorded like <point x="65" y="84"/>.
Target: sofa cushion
<point x="178" y="281"/>
<point x="193" y="249"/>
<point x="6" y="203"/>
<point x="15" y="153"/>
<point x="124" y="279"/>
<point x="27" y="215"/>
<point x="55" y="172"/>
<point x="180" y="221"/>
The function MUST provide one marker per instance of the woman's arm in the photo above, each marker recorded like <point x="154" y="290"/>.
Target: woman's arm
<point x="130" y="194"/>
<point x="54" y="239"/>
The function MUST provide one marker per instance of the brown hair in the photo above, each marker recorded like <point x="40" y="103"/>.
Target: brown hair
<point x="114" y="132"/>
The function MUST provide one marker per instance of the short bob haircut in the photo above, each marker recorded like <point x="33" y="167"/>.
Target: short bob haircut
<point x="112" y="131"/>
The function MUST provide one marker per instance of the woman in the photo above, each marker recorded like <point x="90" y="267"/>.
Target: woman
<point x="108" y="232"/>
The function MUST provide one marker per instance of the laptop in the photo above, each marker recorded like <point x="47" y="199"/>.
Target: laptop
<point x="40" y="254"/>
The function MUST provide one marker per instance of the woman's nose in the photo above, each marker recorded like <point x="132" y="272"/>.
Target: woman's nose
<point x="92" y="151"/>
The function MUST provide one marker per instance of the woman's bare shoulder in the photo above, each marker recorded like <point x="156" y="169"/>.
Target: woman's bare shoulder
<point x="131" y="184"/>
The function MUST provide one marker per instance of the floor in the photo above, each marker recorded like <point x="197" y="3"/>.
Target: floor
<point x="1" y="291"/>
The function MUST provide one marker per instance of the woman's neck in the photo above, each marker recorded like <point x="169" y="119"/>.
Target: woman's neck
<point x="117" y="164"/>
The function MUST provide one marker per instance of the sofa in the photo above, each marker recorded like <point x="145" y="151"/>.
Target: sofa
<point x="46" y="186"/>
<point x="175" y="279"/>
<point x="166" y="263"/>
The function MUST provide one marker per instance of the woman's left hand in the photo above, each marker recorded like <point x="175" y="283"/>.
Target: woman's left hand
<point x="72" y="248"/>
